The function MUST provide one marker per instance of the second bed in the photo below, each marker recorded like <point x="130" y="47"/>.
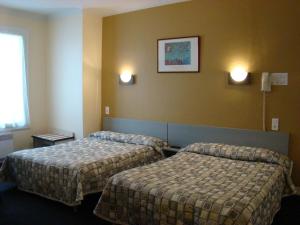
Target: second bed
<point x="203" y="184"/>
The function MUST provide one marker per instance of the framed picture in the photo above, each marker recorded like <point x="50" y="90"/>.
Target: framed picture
<point x="178" y="55"/>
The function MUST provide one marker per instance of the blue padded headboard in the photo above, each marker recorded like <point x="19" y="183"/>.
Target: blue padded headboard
<point x="182" y="135"/>
<point x="150" y="128"/>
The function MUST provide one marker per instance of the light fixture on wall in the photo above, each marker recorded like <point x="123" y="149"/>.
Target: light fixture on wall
<point x="126" y="78"/>
<point x="239" y="76"/>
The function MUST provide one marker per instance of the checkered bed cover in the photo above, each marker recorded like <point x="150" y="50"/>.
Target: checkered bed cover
<point x="205" y="184"/>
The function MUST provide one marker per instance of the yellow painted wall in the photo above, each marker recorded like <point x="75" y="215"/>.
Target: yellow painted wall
<point x="262" y="35"/>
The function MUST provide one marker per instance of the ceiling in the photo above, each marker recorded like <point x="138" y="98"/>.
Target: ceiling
<point x="108" y="7"/>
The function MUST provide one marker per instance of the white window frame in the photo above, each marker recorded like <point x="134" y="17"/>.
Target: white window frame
<point x="24" y="34"/>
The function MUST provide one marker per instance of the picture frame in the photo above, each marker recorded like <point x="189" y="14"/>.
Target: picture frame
<point x="178" y="55"/>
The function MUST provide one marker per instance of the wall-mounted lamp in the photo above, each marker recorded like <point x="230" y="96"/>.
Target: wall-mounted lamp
<point x="126" y="78"/>
<point x="238" y="76"/>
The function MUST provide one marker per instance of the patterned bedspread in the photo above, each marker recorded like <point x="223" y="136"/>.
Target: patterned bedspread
<point x="67" y="172"/>
<point x="204" y="184"/>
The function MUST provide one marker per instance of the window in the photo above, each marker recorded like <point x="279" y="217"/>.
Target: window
<point x="13" y="88"/>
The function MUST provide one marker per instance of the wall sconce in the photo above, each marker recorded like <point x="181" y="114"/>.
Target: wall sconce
<point x="238" y="76"/>
<point x="126" y="78"/>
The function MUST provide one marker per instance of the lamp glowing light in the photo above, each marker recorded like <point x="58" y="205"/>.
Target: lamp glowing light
<point x="126" y="77"/>
<point x="238" y="75"/>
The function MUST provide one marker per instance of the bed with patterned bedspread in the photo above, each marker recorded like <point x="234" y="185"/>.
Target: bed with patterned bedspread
<point x="203" y="184"/>
<point x="68" y="171"/>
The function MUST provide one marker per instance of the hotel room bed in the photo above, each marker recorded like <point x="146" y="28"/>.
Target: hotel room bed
<point x="203" y="184"/>
<point x="68" y="171"/>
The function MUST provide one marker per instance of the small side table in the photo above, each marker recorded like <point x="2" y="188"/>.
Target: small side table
<point x="170" y="151"/>
<point x="43" y="140"/>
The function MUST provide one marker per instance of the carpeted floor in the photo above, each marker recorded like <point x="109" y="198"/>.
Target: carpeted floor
<point x="20" y="208"/>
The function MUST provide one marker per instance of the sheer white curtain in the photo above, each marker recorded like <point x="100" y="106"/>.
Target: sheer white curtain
<point x="13" y="88"/>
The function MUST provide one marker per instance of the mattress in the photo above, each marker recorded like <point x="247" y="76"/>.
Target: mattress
<point x="203" y="184"/>
<point x="68" y="171"/>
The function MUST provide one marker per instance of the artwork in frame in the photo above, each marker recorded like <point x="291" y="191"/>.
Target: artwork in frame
<point x="178" y="55"/>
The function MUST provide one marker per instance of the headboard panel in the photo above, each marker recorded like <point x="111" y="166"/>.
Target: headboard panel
<point x="182" y="135"/>
<point x="150" y="128"/>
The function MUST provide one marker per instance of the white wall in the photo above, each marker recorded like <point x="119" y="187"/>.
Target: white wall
<point x="64" y="64"/>
<point x="64" y="81"/>
<point x="92" y="53"/>
<point x="35" y="26"/>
